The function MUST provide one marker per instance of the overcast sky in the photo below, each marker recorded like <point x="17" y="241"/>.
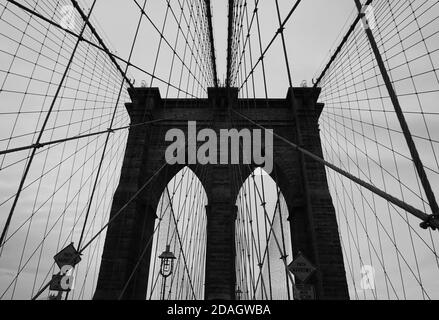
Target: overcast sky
<point x="314" y="30"/>
<point x="311" y="33"/>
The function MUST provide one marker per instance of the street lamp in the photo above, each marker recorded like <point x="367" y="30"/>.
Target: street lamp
<point x="167" y="266"/>
<point x="239" y="294"/>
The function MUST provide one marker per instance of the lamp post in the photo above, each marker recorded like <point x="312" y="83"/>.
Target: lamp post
<point x="239" y="294"/>
<point x="166" y="267"/>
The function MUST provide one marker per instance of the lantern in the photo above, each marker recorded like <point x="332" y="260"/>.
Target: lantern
<point x="166" y="267"/>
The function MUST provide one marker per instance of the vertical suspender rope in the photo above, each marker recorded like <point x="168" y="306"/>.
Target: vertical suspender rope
<point x="40" y="135"/>
<point x="402" y="121"/>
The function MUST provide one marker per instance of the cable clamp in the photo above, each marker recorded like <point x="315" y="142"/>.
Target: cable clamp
<point x="432" y="222"/>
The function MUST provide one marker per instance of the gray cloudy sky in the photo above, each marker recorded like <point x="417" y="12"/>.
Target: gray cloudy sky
<point x="312" y="34"/>
<point x="313" y="31"/>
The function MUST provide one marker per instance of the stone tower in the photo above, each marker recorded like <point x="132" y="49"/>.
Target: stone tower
<point x="314" y="230"/>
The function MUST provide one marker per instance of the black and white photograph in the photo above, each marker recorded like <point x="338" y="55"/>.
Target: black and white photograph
<point x="230" y="153"/>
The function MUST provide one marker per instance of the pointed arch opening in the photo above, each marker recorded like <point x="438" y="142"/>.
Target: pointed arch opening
<point x="263" y="241"/>
<point x="180" y="230"/>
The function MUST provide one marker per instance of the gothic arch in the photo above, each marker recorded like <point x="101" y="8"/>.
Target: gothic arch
<point x="262" y="226"/>
<point x="312" y="219"/>
<point x="181" y="220"/>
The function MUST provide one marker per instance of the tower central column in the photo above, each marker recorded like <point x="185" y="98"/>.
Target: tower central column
<point x="221" y="217"/>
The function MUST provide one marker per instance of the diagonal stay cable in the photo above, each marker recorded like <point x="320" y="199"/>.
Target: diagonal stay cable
<point x="101" y="42"/>
<point x="81" y="38"/>
<point x="146" y="248"/>
<point x="404" y="125"/>
<point x="278" y="32"/>
<point x="133" y="44"/>
<point x="46" y="121"/>
<point x="403" y="205"/>
<point x="116" y="215"/>
<point x="340" y="47"/>
<point x="78" y="137"/>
